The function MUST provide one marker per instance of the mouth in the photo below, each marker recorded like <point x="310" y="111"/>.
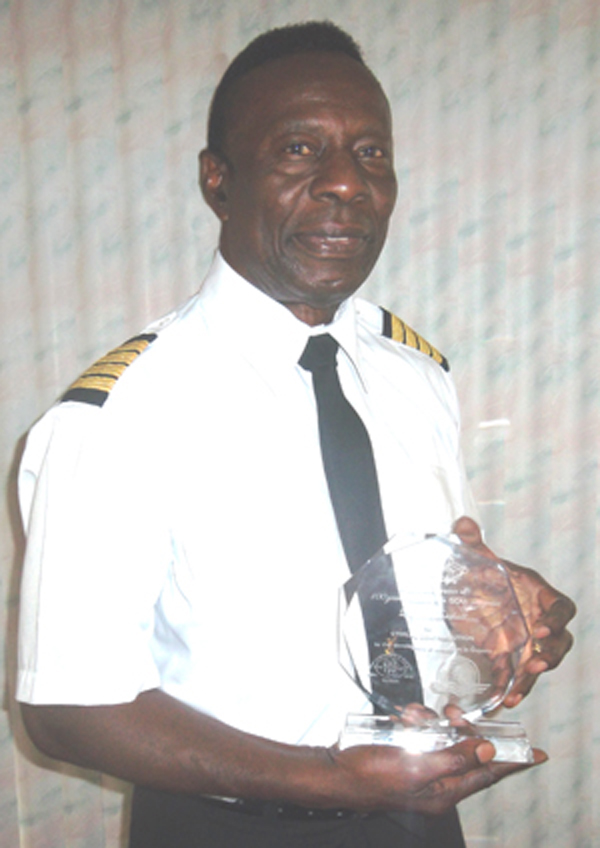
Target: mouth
<point x="330" y="242"/>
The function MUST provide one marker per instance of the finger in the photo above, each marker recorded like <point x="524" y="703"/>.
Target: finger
<point x="556" y="609"/>
<point x="459" y="759"/>
<point x="439" y="796"/>
<point x="454" y="714"/>
<point x="520" y="690"/>
<point x="468" y="531"/>
<point x="456" y="718"/>
<point x="548" y="655"/>
<point x="415" y="715"/>
<point x="558" y="614"/>
<point x="491" y="773"/>
<point x="549" y="652"/>
<point x="525" y="681"/>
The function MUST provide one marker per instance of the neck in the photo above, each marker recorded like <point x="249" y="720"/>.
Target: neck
<point x="311" y="315"/>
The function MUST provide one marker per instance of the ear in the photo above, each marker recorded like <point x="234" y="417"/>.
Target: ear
<point x="213" y="183"/>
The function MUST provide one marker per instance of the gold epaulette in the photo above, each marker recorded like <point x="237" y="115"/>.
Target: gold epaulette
<point x="395" y="328"/>
<point x="95" y="384"/>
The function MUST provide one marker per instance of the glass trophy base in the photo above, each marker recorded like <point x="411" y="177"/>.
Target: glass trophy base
<point x="508" y="737"/>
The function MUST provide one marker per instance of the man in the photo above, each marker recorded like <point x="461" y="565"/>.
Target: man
<point x="184" y="559"/>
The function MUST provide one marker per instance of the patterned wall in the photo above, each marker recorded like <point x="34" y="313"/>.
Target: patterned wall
<point x="493" y="255"/>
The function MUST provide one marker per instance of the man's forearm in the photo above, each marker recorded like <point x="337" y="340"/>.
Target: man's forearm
<point x="157" y="741"/>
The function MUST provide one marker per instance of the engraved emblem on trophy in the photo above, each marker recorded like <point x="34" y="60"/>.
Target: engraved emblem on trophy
<point x="432" y="622"/>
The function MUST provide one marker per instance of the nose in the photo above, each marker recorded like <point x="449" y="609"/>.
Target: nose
<point x="339" y="177"/>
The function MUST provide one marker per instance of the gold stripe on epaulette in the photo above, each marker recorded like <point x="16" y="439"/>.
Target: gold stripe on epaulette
<point x="401" y="332"/>
<point x="125" y="355"/>
<point x="104" y="367"/>
<point x="94" y="385"/>
<point x="91" y="381"/>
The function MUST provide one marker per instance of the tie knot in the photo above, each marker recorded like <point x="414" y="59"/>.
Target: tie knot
<point x="320" y="352"/>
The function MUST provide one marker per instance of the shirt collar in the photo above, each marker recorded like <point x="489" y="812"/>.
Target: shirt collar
<point x="260" y="326"/>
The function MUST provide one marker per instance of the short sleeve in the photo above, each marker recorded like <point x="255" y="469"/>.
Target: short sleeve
<point x="98" y="552"/>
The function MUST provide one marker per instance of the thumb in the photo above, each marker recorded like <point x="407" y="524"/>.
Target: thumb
<point x="468" y="531"/>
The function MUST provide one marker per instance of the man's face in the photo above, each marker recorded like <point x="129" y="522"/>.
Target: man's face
<point x="308" y="185"/>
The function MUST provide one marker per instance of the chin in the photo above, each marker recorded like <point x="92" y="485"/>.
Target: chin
<point x="329" y="294"/>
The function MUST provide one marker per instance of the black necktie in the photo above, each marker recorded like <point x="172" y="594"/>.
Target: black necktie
<point x="354" y="490"/>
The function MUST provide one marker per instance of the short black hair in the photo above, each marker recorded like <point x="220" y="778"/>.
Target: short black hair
<point x="321" y="36"/>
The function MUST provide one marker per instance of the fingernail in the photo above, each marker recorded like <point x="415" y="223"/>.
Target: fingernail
<point x="485" y="752"/>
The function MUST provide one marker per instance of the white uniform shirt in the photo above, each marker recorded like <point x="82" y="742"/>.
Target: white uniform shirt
<point x="181" y="535"/>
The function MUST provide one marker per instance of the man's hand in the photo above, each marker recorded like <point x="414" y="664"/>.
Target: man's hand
<point x="382" y="777"/>
<point x="546" y="610"/>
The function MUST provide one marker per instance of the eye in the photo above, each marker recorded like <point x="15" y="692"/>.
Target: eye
<point x="371" y="151"/>
<point x="298" y="148"/>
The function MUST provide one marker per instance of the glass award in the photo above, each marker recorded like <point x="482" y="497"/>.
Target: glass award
<point x="438" y="616"/>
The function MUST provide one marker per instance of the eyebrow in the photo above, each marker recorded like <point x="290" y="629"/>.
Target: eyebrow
<point x="284" y="126"/>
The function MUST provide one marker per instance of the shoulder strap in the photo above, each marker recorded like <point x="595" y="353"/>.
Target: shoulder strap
<point x="395" y="328"/>
<point x="96" y="383"/>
